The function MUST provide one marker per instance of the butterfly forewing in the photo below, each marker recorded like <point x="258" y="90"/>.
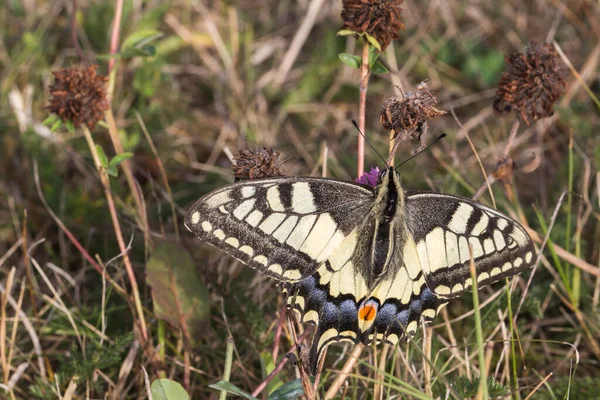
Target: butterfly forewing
<point x="284" y="227"/>
<point x="445" y="227"/>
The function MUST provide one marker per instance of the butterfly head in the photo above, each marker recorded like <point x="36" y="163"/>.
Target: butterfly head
<point x="390" y="193"/>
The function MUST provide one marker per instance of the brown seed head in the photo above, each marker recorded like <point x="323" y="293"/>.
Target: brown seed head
<point x="504" y="169"/>
<point x="79" y="95"/>
<point x="409" y="113"/>
<point x="257" y="164"/>
<point x="532" y="83"/>
<point x="379" y="18"/>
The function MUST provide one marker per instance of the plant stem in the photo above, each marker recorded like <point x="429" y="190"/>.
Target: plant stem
<point x="118" y="233"/>
<point x="341" y="378"/>
<point x="127" y="171"/>
<point x="483" y="388"/>
<point x="284" y="360"/>
<point x="511" y="138"/>
<point x="114" y="37"/>
<point x="228" y="361"/>
<point x="511" y="336"/>
<point x="363" y="86"/>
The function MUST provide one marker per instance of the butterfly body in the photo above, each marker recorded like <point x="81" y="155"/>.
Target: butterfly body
<point x="363" y="264"/>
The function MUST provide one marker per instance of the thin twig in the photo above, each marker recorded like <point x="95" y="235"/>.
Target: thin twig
<point x="35" y="341"/>
<point x="114" y="36"/>
<point x="540" y="253"/>
<point x="511" y="137"/>
<point x="228" y="362"/>
<point x="279" y="366"/>
<point x="74" y="38"/>
<point x="69" y="234"/>
<point x="298" y="41"/>
<point x="343" y="375"/>
<point x="137" y="195"/>
<point x="163" y="173"/>
<point x="567" y="256"/>
<point x="363" y="87"/>
<point x="118" y="233"/>
<point x="535" y="389"/>
<point x="30" y="278"/>
<point x="485" y="174"/>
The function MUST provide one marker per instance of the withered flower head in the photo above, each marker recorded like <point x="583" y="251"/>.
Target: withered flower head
<point x="532" y="83"/>
<point x="79" y="95"/>
<point x="379" y="18"/>
<point x="409" y="113"/>
<point x="256" y="164"/>
<point x="504" y="173"/>
<point x="504" y="169"/>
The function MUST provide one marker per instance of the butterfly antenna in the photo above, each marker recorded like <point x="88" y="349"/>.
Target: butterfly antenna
<point x="443" y="135"/>
<point x="369" y="143"/>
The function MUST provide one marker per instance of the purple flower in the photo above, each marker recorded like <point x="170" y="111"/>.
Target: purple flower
<point x="369" y="178"/>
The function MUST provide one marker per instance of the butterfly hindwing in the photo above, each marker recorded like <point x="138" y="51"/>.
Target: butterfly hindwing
<point x="339" y="302"/>
<point x="329" y="300"/>
<point x="284" y="227"/>
<point x="443" y="228"/>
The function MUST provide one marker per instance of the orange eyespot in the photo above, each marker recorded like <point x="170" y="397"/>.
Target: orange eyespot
<point x="368" y="312"/>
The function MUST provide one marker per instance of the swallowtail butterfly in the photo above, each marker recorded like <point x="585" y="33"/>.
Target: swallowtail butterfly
<point x="361" y="263"/>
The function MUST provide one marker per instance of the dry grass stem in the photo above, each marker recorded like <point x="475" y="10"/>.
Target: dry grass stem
<point x="119" y="235"/>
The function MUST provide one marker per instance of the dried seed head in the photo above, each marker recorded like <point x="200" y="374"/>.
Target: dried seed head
<point x="256" y="164"/>
<point x="504" y="173"/>
<point x="504" y="169"/>
<point x="379" y="18"/>
<point x="409" y="113"/>
<point x="532" y="83"/>
<point x="79" y="95"/>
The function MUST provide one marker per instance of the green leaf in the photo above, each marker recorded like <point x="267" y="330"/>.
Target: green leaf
<point x="119" y="158"/>
<point x="106" y="57"/>
<point x="269" y="365"/>
<point x="141" y="38"/>
<point x="145" y="51"/>
<point x="179" y="294"/>
<point x="231" y="388"/>
<point x="350" y="60"/>
<point x="112" y="171"/>
<point x="379" y="68"/>
<point x="56" y="125"/>
<point x="166" y="389"/>
<point x="373" y="55"/>
<point x="289" y="391"/>
<point x="51" y="120"/>
<point x="140" y="42"/>
<point x="373" y="41"/>
<point x="70" y="126"/>
<point x="347" y="32"/>
<point x="102" y="156"/>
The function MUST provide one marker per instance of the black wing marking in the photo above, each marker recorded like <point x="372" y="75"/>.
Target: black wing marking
<point x="444" y="226"/>
<point x="284" y="227"/>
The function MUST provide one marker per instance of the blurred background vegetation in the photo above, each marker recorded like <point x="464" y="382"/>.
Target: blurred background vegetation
<point x="197" y="81"/>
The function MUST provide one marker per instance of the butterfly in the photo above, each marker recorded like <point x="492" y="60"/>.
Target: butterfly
<point x="361" y="263"/>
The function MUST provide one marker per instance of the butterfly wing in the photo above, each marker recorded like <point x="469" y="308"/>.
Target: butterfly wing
<point x="284" y="227"/>
<point x="337" y="299"/>
<point x="330" y="297"/>
<point x="403" y="299"/>
<point x="444" y="226"/>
